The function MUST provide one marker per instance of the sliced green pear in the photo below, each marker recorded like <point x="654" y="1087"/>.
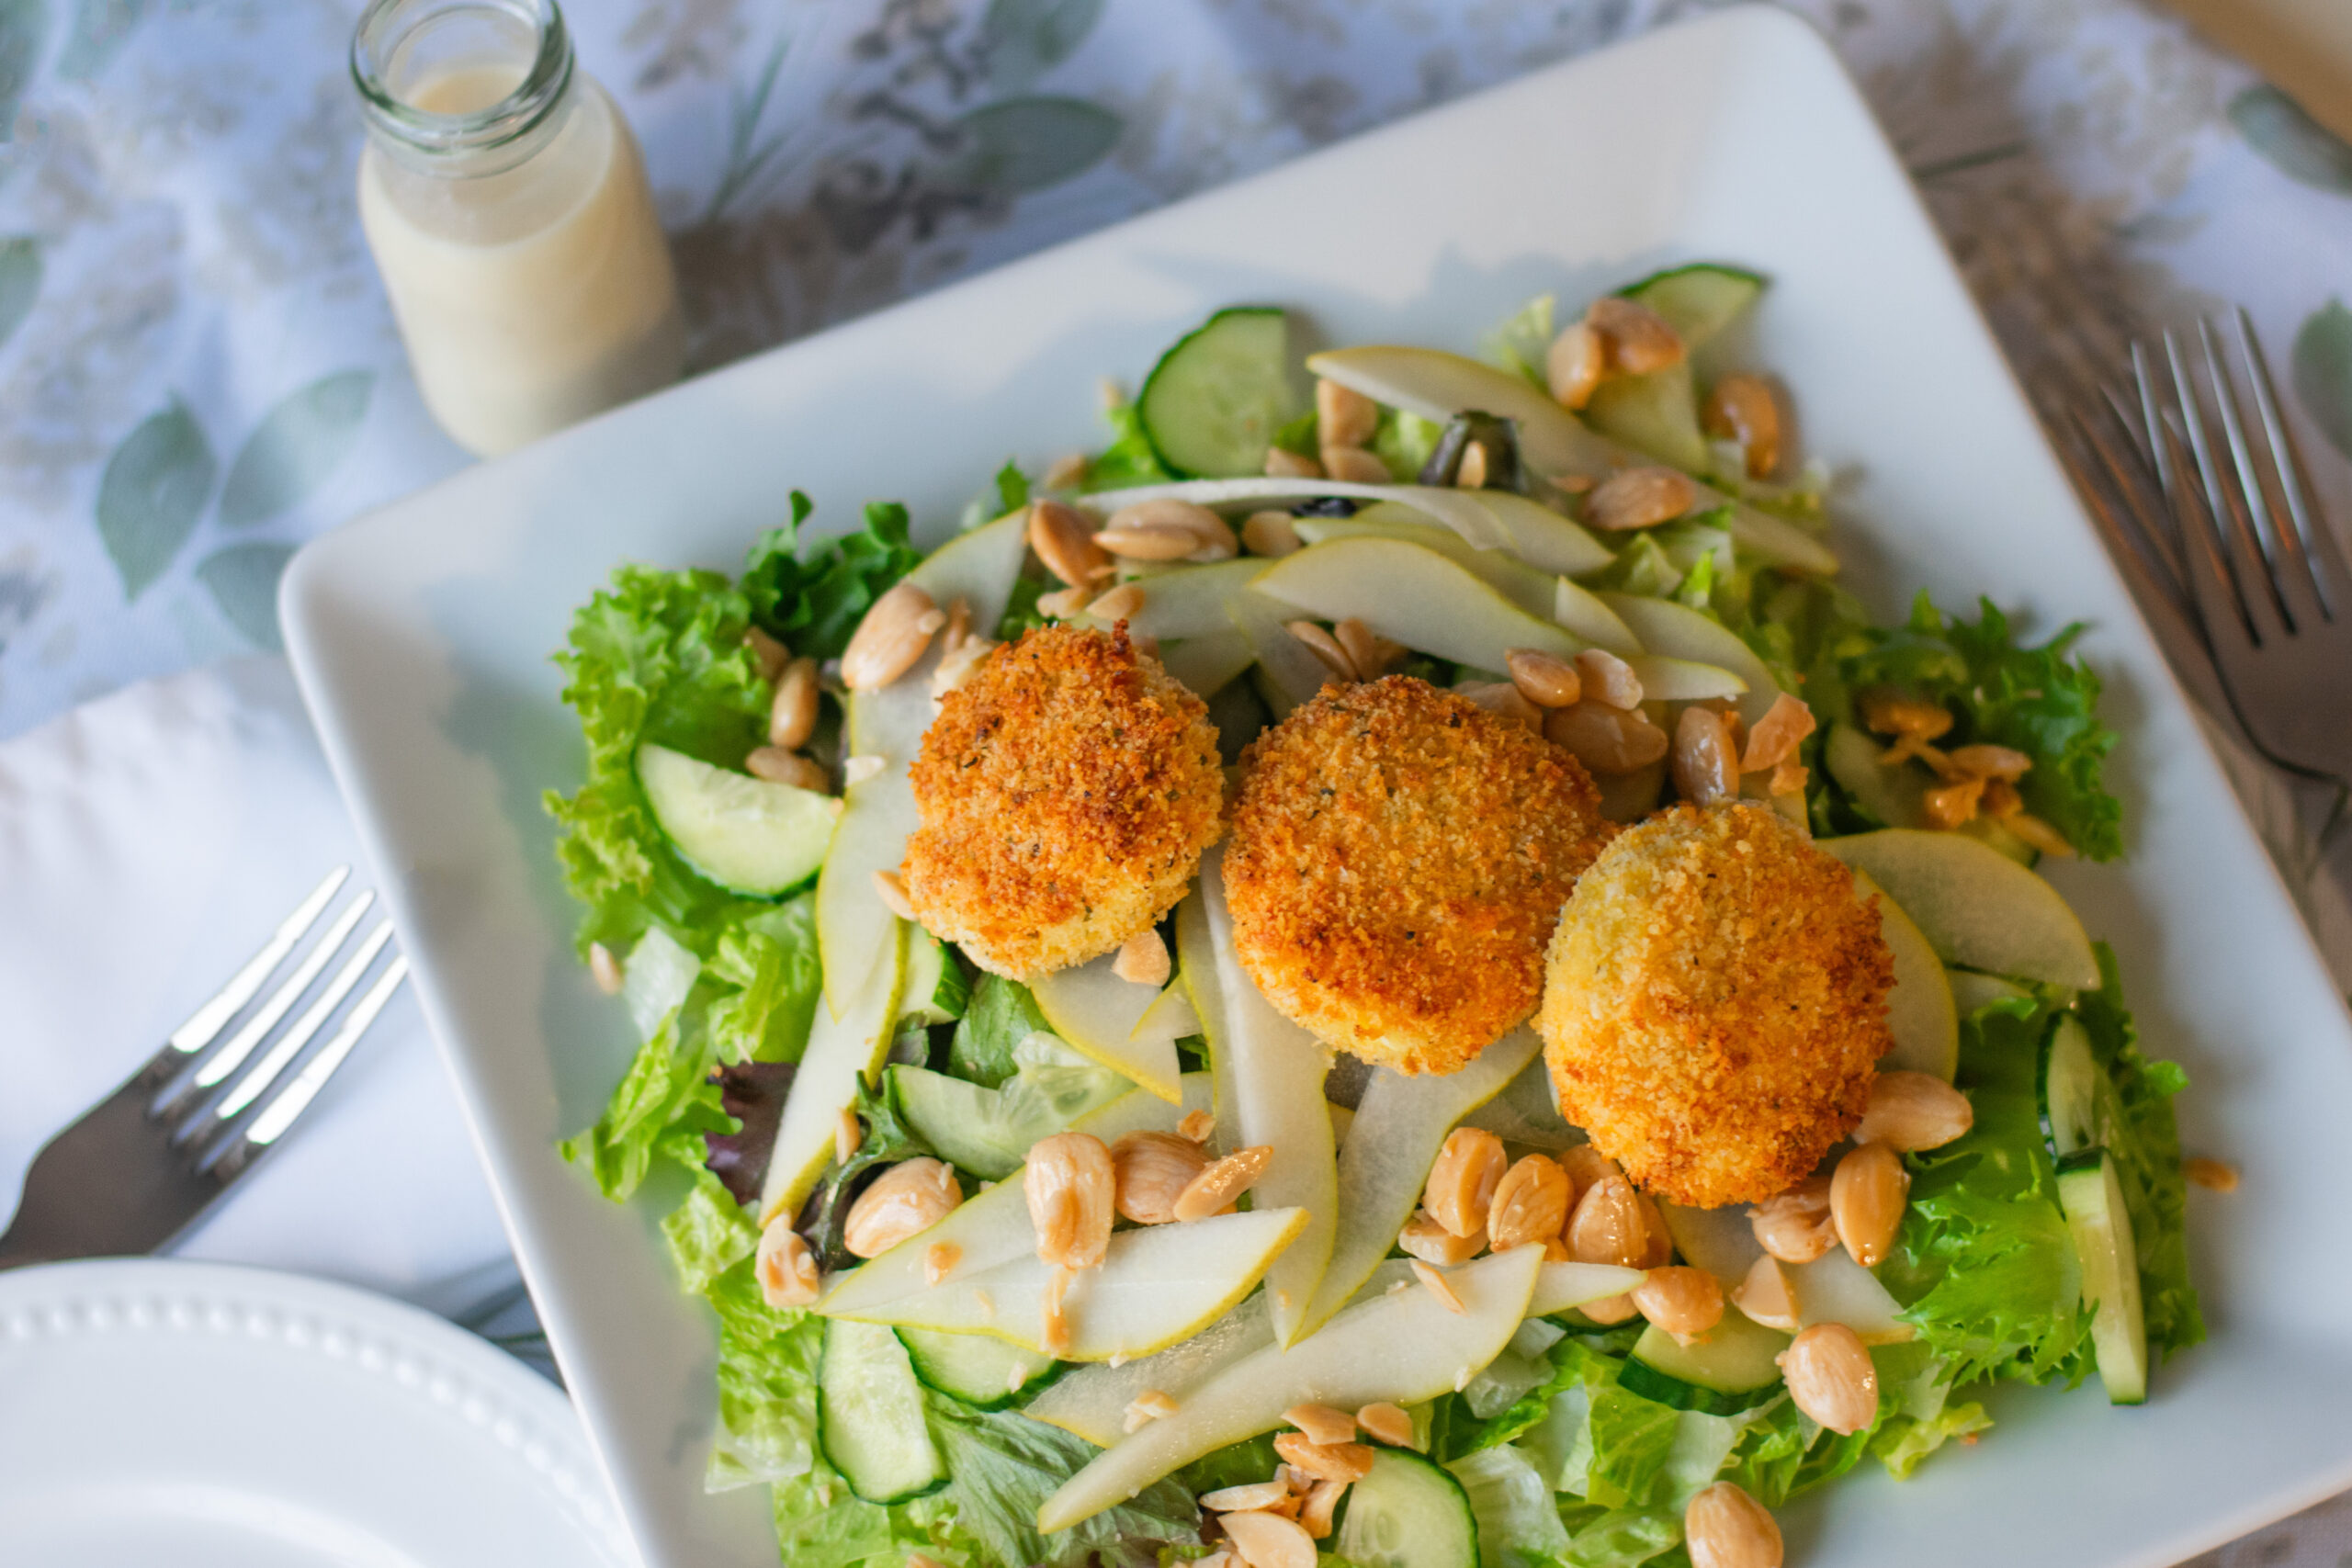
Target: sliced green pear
<point x="1527" y="1113"/>
<point x="845" y="1049"/>
<point x="1587" y="615"/>
<point x="1680" y="632"/>
<point x="1269" y="1074"/>
<point x="1721" y="1240"/>
<point x="1542" y="538"/>
<point x="1091" y="1401"/>
<point x="1562" y="1286"/>
<point x="1896" y="795"/>
<point x="1204" y="665"/>
<point x="1097" y="1014"/>
<point x="1438" y="385"/>
<point x="1413" y="596"/>
<point x="1156" y="1285"/>
<point x="1832" y="1288"/>
<point x="1516" y="581"/>
<point x="1169" y="1019"/>
<point x="1401" y="1349"/>
<point x="852" y="923"/>
<point x="1970" y="990"/>
<point x="1189" y="601"/>
<point x="1463" y="510"/>
<point x="1289" y="675"/>
<point x="1978" y="908"/>
<point x="1402" y="1122"/>
<point x="1919" y="1011"/>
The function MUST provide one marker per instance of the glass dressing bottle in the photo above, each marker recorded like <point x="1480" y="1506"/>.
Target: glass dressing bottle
<point x="506" y="204"/>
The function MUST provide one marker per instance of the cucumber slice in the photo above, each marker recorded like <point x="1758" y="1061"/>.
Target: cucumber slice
<point x="2070" y="1084"/>
<point x="1893" y="796"/>
<point x="1408" y="1513"/>
<point x="1731" y="1371"/>
<point x="743" y="833"/>
<point x="936" y="990"/>
<point x="1699" y="300"/>
<point x="1212" y="404"/>
<point x="989" y="1132"/>
<point x="869" y="1414"/>
<point x="2093" y="1199"/>
<point x="978" y="1370"/>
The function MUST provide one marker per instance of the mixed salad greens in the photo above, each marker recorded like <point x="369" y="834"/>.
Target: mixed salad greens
<point x="2043" y="1246"/>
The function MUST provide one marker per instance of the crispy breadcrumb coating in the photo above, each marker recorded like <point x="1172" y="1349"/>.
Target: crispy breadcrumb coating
<point x="1714" y="1005"/>
<point x="1399" y="856"/>
<point x="1066" y="791"/>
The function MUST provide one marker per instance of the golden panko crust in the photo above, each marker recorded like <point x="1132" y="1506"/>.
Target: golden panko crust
<point x="1399" y="856"/>
<point x="1066" y="791"/>
<point x="1714" y="1005"/>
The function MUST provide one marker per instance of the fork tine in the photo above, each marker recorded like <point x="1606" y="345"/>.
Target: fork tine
<point x="209" y="1021"/>
<point x="217" y="1067"/>
<point x="2152" y="429"/>
<point x="2256" y="609"/>
<point x="2313" y="544"/>
<point x="262" y="1074"/>
<point x="230" y="1158"/>
<point x="2253" y="526"/>
<point x="2218" y="606"/>
<point x="2143" y="500"/>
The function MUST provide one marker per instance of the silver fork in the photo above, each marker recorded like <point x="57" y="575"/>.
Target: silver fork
<point x="142" y="1165"/>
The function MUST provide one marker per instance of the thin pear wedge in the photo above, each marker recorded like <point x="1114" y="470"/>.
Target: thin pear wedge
<point x="1402" y="1122"/>
<point x="851" y="920"/>
<point x="1097" y="1014"/>
<point x="1188" y="601"/>
<point x="1289" y="675"/>
<point x="843" y="1049"/>
<point x="1530" y="589"/>
<point x="1207" y="664"/>
<point x="1401" y="1349"/>
<point x="1678" y="631"/>
<point x="1156" y="1285"/>
<point x="1832" y="1288"/>
<point x="1920" y="1012"/>
<point x="1561" y="1286"/>
<point x="1587" y="615"/>
<point x="1091" y="1401"/>
<point x="1464" y="512"/>
<point x="1438" y="385"/>
<point x="1978" y="908"/>
<point x="1269" y="1074"/>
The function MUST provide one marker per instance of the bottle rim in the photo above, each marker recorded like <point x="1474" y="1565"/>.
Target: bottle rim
<point x="386" y="25"/>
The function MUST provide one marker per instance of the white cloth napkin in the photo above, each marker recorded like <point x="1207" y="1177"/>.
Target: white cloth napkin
<point x="149" y="842"/>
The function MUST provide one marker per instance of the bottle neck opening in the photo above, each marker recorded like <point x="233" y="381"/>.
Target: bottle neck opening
<point x="462" y="87"/>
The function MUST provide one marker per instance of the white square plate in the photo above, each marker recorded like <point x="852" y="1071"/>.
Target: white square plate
<point x="422" y="635"/>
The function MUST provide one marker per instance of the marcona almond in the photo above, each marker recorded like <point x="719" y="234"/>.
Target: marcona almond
<point x="1064" y="603"/>
<point x="1271" y="533"/>
<point x="1212" y="535"/>
<point x="1322" y="1500"/>
<point x="1544" y="679"/>
<point x="1910" y="1111"/>
<point x="1071" y="1185"/>
<point x="1368" y="654"/>
<point x="1325" y="1462"/>
<point x="1282" y="463"/>
<point x="1437" y="1285"/>
<point x="1067" y="471"/>
<point x="1354" y="464"/>
<point x="1269" y="1541"/>
<point x="1608" y="1226"/>
<point x="1150" y="1171"/>
<point x="1324" y="646"/>
<point x="1951" y="804"/>
<point x="1603" y="678"/>
<point x="605" y="969"/>
<point x="1390" y="1423"/>
<point x="1343" y="416"/>
<point x="1149" y="541"/>
<point x="1120" y="604"/>
<point x="1196" y="1126"/>
<point x="1246" y="1499"/>
<point x="1722" y="1526"/>
<point x="1638" y="338"/>
<point x="768" y="656"/>
<point x="1608" y="741"/>
<point x="892" y="890"/>
<point x="1574" y="365"/>
<point x="1064" y="541"/>
<point x="1143" y="959"/>
<point x="904" y="1201"/>
<point x="1889" y="712"/>
<point x="1610" y="1310"/>
<point x="1866" y="1200"/>
<point x="1982" y="760"/>
<point x="1322" y="1424"/>
<point x="1686" y="1303"/>
<point x="1774" y="739"/>
<point x="776" y="766"/>
<point x="1471" y="472"/>
<point x="1794" y="1226"/>
<point x="1831" y="1377"/>
<point x="1587" y="1164"/>
<point x="1505" y="700"/>
<point x="792" y="715"/>
<point x="1530" y="1204"/>
<point x="1742" y="410"/>
<point x="891" y="637"/>
<point x="1424" y="1238"/>
<point x="1768" y="1296"/>
<point x="2214" y="1175"/>
<point x="1220" y="1184"/>
<point x="1706" y="768"/>
<point x="1639" y="498"/>
<point x="1463" y="1179"/>
<point x="784" y="1267"/>
<point x="1148" y="1407"/>
<point x="1658" y="1248"/>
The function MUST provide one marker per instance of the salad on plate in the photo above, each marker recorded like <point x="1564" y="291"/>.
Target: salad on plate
<point x="1384" y="972"/>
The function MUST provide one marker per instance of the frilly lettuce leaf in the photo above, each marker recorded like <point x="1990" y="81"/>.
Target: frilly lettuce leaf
<point x="1523" y="343"/>
<point x="1001" y="1015"/>
<point x="1002" y="1466"/>
<point x="1130" y="459"/>
<point x="812" y="603"/>
<point x="664" y="1105"/>
<point x="769" y="959"/>
<point x="1519" y="1519"/>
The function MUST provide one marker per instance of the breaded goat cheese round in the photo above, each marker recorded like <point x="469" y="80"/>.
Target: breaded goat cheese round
<point x="1066" y="791"/>
<point x="1397" y="859"/>
<point x="1714" y="1005"/>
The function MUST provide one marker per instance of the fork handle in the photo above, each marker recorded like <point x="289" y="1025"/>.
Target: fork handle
<point x="108" y="1185"/>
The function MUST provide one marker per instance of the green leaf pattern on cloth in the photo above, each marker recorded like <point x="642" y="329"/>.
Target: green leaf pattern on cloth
<point x="297" y="445"/>
<point x="154" y="489"/>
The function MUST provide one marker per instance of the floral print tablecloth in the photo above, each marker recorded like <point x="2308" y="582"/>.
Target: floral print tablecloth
<point x="198" y="371"/>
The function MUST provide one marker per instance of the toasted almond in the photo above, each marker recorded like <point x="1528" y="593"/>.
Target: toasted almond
<point x="1388" y="1422"/>
<point x="1064" y="540"/>
<point x="1607" y="740"/>
<point x="1639" y="498"/>
<point x="1367" y="655"/>
<point x="1639" y="340"/>
<point x="1912" y="1111"/>
<point x="1150" y="1171"/>
<point x="1777" y="735"/>
<point x="769" y="655"/>
<point x="1314" y="1515"/>
<point x="1322" y="1424"/>
<point x="1066" y="603"/>
<point x="792" y="715"/>
<point x="1222" y="1183"/>
<point x="605" y="969"/>
<point x="1686" y="1303"/>
<point x="905" y="1201"/>
<point x="1354" y="464"/>
<point x="1983" y="760"/>
<point x="1056" y="1338"/>
<point x="1604" y="678"/>
<point x="789" y="768"/>
<point x="1326" y="1461"/>
<point x="856" y="770"/>
<point x="893" y="894"/>
<point x="1831" y="1377"/>
<point x="1573" y="367"/>
<point x="1247" y="1498"/>
<point x="1148" y="1407"/>
<point x="1608" y="1226"/>
<point x="1706" y="767"/>
<point x="1504" y="699"/>
<point x="1953" y="804"/>
<point x="1326" y="649"/>
<point x="1530" y="1204"/>
<point x="1424" y="1238"/>
<point x="891" y="637"/>
<point x="1742" y="410"/>
<point x="1796" y="1226"/>
<point x="1118" y="605"/>
<point x="1071" y="1185"/>
<point x="1149" y="541"/>
<point x="1866" y="1197"/>
<point x="1197" y="1125"/>
<point x="1544" y="679"/>
<point x="1889" y="712"/>
<point x="1722" y="1526"/>
<point x="784" y="1266"/>
<point x="1471" y="472"/>
<point x="1143" y="959"/>
<point x="1267" y="1540"/>
<point x="1436" y="1284"/>
<point x="2214" y="1175"/>
<point x="1067" y="471"/>
<point x="1286" y="465"/>
<point x="1463" y="1179"/>
<point x="1343" y="416"/>
<point x="1768" y="1296"/>
<point x="1271" y="533"/>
